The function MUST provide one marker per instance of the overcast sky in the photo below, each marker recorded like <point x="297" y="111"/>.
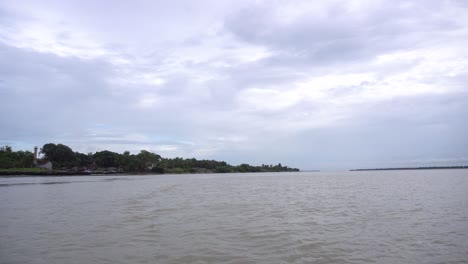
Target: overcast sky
<point x="310" y="84"/>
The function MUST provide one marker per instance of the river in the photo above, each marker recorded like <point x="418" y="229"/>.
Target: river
<point x="316" y="217"/>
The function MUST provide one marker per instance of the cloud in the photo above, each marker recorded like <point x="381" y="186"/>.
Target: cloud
<point x="336" y="84"/>
<point x="337" y="32"/>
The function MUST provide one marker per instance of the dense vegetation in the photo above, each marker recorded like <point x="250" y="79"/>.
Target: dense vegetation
<point x="15" y="159"/>
<point x="63" y="157"/>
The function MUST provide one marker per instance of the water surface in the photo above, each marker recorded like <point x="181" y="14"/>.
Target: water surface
<point x="342" y="217"/>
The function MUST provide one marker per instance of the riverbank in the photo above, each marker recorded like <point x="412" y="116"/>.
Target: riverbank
<point x="5" y="173"/>
<point x="42" y="172"/>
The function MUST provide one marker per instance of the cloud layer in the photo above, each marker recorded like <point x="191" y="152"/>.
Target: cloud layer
<point x="316" y="85"/>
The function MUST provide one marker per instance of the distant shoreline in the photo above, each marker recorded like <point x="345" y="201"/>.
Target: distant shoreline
<point x="414" y="168"/>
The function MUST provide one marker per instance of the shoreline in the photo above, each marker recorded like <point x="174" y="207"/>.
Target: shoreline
<point x="63" y="173"/>
<point x="52" y="173"/>
<point x="415" y="168"/>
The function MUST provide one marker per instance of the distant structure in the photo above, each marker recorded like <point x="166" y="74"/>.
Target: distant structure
<point x="35" y="157"/>
<point x="44" y="164"/>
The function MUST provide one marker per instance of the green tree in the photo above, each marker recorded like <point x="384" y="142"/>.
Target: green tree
<point x="148" y="160"/>
<point x="106" y="159"/>
<point x="7" y="159"/>
<point x="12" y="159"/>
<point x="60" y="155"/>
<point x="128" y="162"/>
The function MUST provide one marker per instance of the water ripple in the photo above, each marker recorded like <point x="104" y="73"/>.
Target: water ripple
<point x="381" y="217"/>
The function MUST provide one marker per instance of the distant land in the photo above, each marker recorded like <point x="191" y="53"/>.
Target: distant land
<point x="415" y="168"/>
<point x="59" y="159"/>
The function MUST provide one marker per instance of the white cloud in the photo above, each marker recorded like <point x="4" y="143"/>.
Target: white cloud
<point x="260" y="80"/>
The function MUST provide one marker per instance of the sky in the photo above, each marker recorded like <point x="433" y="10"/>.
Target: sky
<point x="326" y="85"/>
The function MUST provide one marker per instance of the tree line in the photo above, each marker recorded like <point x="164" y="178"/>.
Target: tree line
<point x="63" y="157"/>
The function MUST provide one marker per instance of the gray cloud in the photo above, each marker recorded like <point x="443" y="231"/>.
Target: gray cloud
<point x="315" y="85"/>
<point x="341" y="35"/>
